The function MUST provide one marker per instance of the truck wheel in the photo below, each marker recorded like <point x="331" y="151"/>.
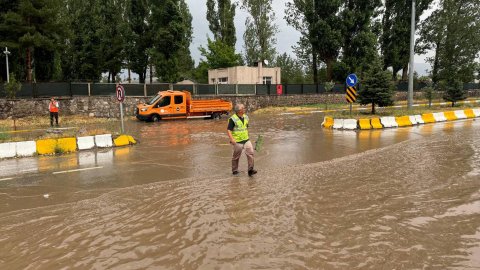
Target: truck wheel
<point x="156" y="118"/>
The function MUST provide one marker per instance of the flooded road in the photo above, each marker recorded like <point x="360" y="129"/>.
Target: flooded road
<point x="405" y="198"/>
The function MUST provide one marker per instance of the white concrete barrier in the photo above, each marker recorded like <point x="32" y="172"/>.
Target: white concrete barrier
<point x="389" y="121"/>
<point x="460" y="114"/>
<point x="104" y="140"/>
<point x="385" y="122"/>
<point x="476" y="112"/>
<point x="26" y="149"/>
<point x="413" y="119"/>
<point x="7" y="150"/>
<point x="350" y="124"/>
<point x="337" y="123"/>
<point x="439" y="117"/>
<point x="419" y="119"/>
<point x="85" y="143"/>
<point x="393" y="121"/>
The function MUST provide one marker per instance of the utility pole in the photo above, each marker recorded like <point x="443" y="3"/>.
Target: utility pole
<point x="6" y="52"/>
<point x="412" y="56"/>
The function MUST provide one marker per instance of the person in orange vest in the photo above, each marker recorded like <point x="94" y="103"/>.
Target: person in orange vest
<point x="53" y="109"/>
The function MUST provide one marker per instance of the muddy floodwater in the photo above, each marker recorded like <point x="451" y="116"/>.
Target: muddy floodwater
<point x="406" y="198"/>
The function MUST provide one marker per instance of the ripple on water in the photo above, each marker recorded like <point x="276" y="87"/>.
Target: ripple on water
<point x="394" y="207"/>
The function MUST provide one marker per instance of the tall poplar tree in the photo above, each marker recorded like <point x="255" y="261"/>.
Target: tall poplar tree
<point x="171" y="33"/>
<point x="83" y="59"/>
<point x="321" y="28"/>
<point x="139" y="37"/>
<point x="453" y="32"/>
<point x="395" y="41"/>
<point x="220" y="16"/>
<point x="260" y="31"/>
<point x="112" y="31"/>
<point x="360" y="42"/>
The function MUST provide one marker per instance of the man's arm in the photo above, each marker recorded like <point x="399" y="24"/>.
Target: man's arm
<point x="231" y="126"/>
<point x="232" y="140"/>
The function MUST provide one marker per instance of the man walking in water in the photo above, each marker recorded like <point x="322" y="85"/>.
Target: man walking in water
<point x="53" y="109"/>
<point x="238" y="133"/>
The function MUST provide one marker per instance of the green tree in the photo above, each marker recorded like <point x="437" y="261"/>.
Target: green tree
<point x="220" y="15"/>
<point x="185" y="60"/>
<point x="321" y="28"/>
<point x="113" y="36"/>
<point x="461" y="44"/>
<point x="35" y="29"/>
<point x="172" y="31"/>
<point x="200" y="73"/>
<point x="377" y="88"/>
<point x="360" y="42"/>
<point x="139" y="37"/>
<point x="292" y="69"/>
<point x="454" y="92"/>
<point x="260" y="31"/>
<point x="428" y="92"/>
<point x="301" y="15"/>
<point x="220" y="55"/>
<point x="395" y="40"/>
<point x="83" y="59"/>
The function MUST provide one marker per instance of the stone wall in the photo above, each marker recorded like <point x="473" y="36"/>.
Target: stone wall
<point x="108" y="106"/>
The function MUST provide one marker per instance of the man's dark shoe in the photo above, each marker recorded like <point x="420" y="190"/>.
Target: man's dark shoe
<point x="235" y="173"/>
<point x="251" y="172"/>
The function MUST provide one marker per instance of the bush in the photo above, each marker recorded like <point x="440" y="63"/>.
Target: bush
<point x="454" y="92"/>
<point x="428" y="92"/>
<point x="12" y="87"/>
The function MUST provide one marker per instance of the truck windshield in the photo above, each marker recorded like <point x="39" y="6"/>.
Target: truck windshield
<point x="154" y="99"/>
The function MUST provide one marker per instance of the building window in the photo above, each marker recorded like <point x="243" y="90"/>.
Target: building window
<point x="267" y="80"/>
<point x="213" y="81"/>
<point x="223" y="80"/>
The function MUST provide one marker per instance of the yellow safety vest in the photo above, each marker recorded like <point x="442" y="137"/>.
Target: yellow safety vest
<point x="240" y="132"/>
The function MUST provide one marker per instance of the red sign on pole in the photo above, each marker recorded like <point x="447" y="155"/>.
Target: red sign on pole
<point x="279" y="89"/>
<point x="120" y="93"/>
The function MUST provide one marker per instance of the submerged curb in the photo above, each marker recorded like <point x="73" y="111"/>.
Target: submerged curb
<point x="402" y="121"/>
<point x="62" y="145"/>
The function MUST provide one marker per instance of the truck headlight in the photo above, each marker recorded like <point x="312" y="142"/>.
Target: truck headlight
<point x="143" y="109"/>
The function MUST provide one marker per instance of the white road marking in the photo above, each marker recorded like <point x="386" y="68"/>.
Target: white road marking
<point x="29" y="170"/>
<point x="78" y="170"/>
<point x="5" y="179"/>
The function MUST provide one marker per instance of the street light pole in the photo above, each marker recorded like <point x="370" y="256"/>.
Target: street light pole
<point x="6" y="52"/>
<point x="412" y="56"/>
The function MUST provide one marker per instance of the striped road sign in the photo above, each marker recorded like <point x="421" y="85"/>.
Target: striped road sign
<point x="351" y="95"/>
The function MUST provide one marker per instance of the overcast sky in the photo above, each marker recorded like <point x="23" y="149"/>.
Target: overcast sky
<point x="286" y="38"/>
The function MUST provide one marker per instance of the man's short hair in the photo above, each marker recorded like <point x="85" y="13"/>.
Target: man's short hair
<point x="238" y="107"/>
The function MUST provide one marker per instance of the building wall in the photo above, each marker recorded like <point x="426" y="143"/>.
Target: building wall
<point x="245" y="75"/>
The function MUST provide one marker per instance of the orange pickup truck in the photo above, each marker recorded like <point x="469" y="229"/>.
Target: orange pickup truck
<point x="180" y="105"/>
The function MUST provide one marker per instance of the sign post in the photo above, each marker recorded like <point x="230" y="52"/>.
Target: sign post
<point x="351" y="94"/>
<point x="121" y="97"/>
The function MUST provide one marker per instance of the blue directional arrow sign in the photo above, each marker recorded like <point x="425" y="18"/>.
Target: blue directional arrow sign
<point x="352" y="80"/>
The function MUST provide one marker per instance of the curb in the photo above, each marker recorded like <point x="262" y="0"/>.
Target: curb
<point x="402" y="121"/>
<point x="62" y="145"/>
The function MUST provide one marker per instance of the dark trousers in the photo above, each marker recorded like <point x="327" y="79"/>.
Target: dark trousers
<point x="52" y="115"/>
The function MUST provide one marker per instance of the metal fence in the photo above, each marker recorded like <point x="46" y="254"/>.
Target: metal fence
<point x="41" y="90"/>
